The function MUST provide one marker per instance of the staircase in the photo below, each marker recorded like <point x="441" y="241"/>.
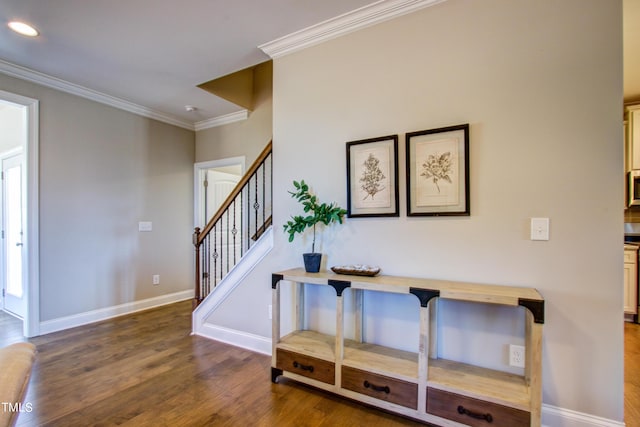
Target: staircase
<point x="236" y="227"/>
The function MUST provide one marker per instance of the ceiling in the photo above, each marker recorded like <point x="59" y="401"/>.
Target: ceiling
<point x="152" y="54"/>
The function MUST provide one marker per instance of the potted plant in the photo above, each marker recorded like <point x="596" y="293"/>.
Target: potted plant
<point x="316" y="212"/>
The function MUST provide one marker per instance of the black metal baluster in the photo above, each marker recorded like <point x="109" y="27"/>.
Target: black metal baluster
<point x="241" y="225"/>
<point x="215" y="256"/>
<point x="248" y="205"/>
<point x="227" y="248"/>
<point x="205" y="268"/>
<point x="256" y="205"/>
<point x="221" y="255"/>
<point x="264" y="184"/>
<point x="234" y="231"/>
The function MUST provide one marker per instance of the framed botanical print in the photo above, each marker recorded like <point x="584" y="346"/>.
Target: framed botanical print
<point x="372" y="177"/>
<point x="438" y="171"/>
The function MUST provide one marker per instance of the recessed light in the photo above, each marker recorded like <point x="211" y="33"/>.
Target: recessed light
<point x="22" y="28"/>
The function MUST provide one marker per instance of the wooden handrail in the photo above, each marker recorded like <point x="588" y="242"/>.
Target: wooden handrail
<point x="234" y="193"/>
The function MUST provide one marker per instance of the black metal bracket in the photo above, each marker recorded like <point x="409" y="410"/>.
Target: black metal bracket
<point x="424" y="295"/>
<point x="339" y="285"/>
<point x="275" y="278"/>
<point x="536" y="307"/>
<point x="275" y="373"/>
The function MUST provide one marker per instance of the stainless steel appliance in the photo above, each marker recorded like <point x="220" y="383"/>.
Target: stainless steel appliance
<point x="633" y="190"/>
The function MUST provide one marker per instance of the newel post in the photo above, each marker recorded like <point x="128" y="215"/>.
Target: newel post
<point x="196" y="298"/>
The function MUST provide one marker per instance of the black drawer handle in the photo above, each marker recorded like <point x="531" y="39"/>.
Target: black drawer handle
<point x="303" y="367"/>
<point x="464" y="411"/>
<point x="374" y="387"/>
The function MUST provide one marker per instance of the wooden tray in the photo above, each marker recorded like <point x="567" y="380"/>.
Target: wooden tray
<point x="356" y="270"/>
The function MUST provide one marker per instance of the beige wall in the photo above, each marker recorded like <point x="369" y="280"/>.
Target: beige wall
<point x="248" y="137"/>
<point x="541" y="86"/>
<point x="101" y="171"/>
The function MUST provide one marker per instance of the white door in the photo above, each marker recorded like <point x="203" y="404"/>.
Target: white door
<point x="12" y="235"/>
<point x="217" y="188"/>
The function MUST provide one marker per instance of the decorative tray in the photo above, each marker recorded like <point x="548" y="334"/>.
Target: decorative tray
<point x="356" y="270"/>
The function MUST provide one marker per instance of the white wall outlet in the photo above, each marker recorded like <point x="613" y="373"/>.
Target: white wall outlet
<point x="270" y="311"/>
<point x="516" y="356"/>
<point x="539" y="228"/>
<point x="156" y="279"/>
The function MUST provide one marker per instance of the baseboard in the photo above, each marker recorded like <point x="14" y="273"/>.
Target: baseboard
<point x="236" y="338"/>
<point x="552" y="416"/>
<point x="93" y="316"/>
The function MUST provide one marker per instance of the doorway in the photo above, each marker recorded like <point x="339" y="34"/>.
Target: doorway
<point x="213" y="182"/>
<point x="12" y="220"/>
<point x="19" y="251"/>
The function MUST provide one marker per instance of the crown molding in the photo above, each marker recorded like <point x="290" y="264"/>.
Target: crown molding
<point x="222" y="120"/>
<point x="366" y="16"/>
<point x="37" y="77"/>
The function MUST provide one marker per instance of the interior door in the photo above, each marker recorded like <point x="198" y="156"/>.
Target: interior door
<point x="219" y="186"/>
<point x="12" y="235"/>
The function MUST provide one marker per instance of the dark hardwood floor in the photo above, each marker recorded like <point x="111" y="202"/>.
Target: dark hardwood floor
<point x="10" y="329"/>
<point x="632" y="374"/>
<point x="146" y="369"/>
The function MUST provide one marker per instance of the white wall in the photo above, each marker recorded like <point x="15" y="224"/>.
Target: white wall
<point x="540" y="83"/>
<point x="101" y="171"/>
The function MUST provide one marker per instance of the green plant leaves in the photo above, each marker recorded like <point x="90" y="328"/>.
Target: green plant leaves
<point x="320" y="212"/>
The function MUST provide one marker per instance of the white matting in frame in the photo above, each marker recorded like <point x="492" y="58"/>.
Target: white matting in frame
<point x="372" y="177"/>
<point x="438" y="171"/>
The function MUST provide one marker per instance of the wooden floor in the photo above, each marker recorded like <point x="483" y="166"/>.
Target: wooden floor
<point x="146" y="369"/>
<point x="632" y="374"/>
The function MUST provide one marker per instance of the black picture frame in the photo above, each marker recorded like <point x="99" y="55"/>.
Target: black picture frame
<point x="437" y="168"/>
<point x="372" y="177"/>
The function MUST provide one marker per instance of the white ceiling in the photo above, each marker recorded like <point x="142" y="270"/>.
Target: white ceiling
<point x="154" y="53"/>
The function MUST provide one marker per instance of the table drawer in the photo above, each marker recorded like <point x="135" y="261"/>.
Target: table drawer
<point x="381" y="387"/>
<point x="307" y="366"/>
<point x="474" y="412"/>
<point x="630" y="256"/>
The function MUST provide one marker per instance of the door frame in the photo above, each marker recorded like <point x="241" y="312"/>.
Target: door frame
<point x="6" y="156"/>
<point x="31" y="271"/>
<point x="198" y="174"/>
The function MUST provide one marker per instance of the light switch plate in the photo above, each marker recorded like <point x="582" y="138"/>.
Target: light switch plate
<point x="145" y="226"/>
<point x="539" y="228"/>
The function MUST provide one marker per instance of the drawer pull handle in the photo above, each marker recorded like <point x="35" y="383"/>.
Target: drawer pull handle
<point x="464" y="411"/>
<point x="303" y="367"/>
<point x="374" y="387"/>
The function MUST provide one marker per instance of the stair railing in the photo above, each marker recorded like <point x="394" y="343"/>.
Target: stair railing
<point x="243" y="217"/>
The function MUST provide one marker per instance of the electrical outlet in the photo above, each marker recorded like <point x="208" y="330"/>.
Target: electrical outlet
<point x="516" y="356"/>
<point x="156" y="279"/>
<point x="270" y="311"/>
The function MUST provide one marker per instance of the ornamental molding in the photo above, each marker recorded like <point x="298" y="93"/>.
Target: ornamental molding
<point x="349" y="22"/>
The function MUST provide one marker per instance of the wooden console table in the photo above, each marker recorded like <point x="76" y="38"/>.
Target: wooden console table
<point x="417" y="385"/>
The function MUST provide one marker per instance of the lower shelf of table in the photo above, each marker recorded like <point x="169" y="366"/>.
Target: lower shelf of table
<point x="490" y="385"/>
<point x="493" y="386"/>
<point x="369" y="357"/>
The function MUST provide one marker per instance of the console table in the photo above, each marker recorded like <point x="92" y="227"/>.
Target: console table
<point x="417" y="385"/>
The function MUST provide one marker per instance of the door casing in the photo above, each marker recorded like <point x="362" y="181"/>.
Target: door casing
<point x="31" y="272"/>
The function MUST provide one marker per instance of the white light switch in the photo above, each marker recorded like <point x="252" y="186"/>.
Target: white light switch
<point x="145" y="226"/>
<point x="539" y="228"/>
